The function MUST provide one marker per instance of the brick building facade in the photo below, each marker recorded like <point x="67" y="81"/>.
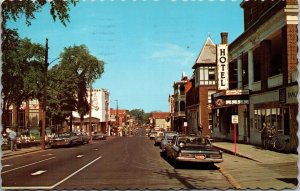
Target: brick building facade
<point x="263" y="68"/>
<point x="200" y="88"/>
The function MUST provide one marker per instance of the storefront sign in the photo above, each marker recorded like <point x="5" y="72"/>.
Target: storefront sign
<point x="219" y="102"/>
<point x="237" y="92"/>
<point x="291" y="94"/>
<point x="282" y="95"/>
<point x="222" y="66"/>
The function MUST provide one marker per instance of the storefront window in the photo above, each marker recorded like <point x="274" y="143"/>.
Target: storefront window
<point x="33" y="118"/>
<point x="276" y="118"/>
<point x="279" y="123"/>
<point x="286" y="117"/>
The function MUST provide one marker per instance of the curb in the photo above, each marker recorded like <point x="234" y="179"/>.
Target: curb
<point x="232" y="153"/>
<point x="230" y="178"/>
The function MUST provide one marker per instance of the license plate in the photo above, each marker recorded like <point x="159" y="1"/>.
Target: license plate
<point x="200" y="157"/>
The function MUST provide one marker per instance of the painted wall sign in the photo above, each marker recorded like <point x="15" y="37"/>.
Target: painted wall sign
<point x="222" y="66"/>
<point x="291" y="94"/>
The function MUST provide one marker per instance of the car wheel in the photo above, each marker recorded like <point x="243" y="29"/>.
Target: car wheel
<point x="176" y="163"/>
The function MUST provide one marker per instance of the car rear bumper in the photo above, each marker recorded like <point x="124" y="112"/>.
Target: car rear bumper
<point x="206" y="160"/>
<point x="59" y="143"/>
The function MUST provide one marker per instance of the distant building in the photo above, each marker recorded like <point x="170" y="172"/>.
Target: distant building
<point x="161" y="120"/>
<point x="99" y="112"/>
<point x="179" y="99"/>
<point x="171" y="111"/>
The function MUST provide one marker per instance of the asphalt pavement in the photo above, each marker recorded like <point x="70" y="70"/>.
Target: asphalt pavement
<point x="242" y="150"/>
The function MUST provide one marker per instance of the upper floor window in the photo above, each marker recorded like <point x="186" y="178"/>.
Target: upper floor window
<point x="182" y="89"/>
<point x="206" y="75"/>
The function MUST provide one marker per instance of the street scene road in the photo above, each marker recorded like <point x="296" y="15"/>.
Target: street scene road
<point x="133" y="162"/>
<point x="117" y="163"/>
<point x="149" y="95"/>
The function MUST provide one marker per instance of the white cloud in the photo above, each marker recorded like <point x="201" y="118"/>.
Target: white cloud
<point x="172" y="54"/>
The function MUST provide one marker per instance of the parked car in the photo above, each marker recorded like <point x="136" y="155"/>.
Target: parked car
<point x="84" y="137"/>
<point x="98" y="136"/>
<point x="65" y="139"/>
<point x="186" y="148"/>
<point x="159" y="136"/>
<point x="152" y="134"/>
<point x="168" y="136"/>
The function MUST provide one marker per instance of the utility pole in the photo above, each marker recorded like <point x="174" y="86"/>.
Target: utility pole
<point x="44" y="97"/>
<point x="90" y="118"/>
<point x="117" y="117"/>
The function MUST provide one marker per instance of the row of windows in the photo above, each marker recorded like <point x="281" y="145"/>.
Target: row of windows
<point x="205" y="75"/>
<point x="276" y="118"/>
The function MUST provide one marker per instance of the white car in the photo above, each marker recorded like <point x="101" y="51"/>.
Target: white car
<point x="168" y="136"/>
<point x="152" y="134"/>
<point x="158" y="138"/>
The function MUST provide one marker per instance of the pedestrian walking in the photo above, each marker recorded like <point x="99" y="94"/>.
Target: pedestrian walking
<point x="200" y="129"/>
<point x="264" y="135"/>
<point x="12" y="137"/>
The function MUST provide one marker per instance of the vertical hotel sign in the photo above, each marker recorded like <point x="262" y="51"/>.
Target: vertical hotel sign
<point x="222" y="66"/>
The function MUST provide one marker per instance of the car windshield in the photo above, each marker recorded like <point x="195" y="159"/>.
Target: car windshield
<point x="194" y="141"/>
<point x="170" y="137"/>
<point x="160" y="134"/>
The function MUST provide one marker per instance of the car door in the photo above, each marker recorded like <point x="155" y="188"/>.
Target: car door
<point x="175" y="147"/>
<point x="171" y="147"/>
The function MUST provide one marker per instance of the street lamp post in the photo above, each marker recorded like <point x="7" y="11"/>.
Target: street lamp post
<point x="44" y="105"/>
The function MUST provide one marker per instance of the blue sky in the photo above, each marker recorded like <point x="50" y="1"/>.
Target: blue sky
<point x="146" y="44"/>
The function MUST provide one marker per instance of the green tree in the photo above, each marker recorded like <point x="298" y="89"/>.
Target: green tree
<point x="61" y="89"/>
<point x="83" y="69"/>
<point x="13" y="10"/>
<point x="18" y="64"/>
<point x="13" y="67"/>
<point x="140" y="116"/>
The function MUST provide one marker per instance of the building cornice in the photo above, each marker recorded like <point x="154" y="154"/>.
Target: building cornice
<point x="247" y="41"/>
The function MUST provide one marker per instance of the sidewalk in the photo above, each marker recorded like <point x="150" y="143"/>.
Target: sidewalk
<point x="19" y="151"/>
<point x="256" y="153"/>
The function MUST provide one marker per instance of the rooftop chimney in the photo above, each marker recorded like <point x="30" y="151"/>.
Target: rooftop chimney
<point x="224" y="37"/>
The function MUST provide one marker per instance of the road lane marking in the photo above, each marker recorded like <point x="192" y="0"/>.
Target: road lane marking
<point x="26" y="165"/>
<point x="65" y="179"/>
<point x="79" y="156"/>
<point x="38" y="172"/>
<point x="48" y="154"/>
<point x="96" y="149"/>
<point x="6" y="165"/>
<point x="20" y="155"/>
